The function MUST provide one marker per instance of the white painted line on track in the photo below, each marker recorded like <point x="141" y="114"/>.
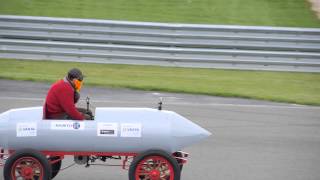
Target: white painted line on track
<point x="22" y="98"/>
<point x="289" y="106"/>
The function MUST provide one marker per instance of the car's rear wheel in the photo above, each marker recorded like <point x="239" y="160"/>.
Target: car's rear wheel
<point x="27" y="165"/>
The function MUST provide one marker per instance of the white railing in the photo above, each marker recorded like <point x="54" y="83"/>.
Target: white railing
<point x="183" y="45"/>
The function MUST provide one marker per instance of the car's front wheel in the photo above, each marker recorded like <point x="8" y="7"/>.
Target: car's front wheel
<point x="154" y="165"/>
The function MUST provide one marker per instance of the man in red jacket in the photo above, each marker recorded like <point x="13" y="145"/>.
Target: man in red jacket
<point x="62" y="96"/>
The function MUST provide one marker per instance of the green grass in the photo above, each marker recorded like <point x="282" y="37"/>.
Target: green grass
<point x="240" y="12"/>
<point x="300" y="88"/>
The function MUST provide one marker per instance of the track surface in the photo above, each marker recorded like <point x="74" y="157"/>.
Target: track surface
<point x="252" y="140"/>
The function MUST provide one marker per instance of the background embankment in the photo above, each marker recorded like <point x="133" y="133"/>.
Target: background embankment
<point x="295" y="13"/>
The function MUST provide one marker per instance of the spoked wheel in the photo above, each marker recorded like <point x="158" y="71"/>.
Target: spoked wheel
<point x="27" y="168"/>
<point x="27" y="165"/>
<point x="154" y="165"/>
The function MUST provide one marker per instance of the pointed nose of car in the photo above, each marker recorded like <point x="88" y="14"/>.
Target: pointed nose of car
<point x="186" y="133"/>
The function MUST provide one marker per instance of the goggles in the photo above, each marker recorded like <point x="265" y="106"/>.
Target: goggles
<point x="77" y="84"/>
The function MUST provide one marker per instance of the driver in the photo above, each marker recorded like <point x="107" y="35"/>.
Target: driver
<point x="62" y="97"/>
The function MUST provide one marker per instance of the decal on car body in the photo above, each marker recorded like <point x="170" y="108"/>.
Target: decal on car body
<point x="131" y="130"/>
<point x="67" y="125"/>
<point x="26" y="129"/>
<point x="107" y="129"/>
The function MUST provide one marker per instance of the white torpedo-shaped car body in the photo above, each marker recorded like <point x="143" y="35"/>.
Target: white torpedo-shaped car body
<point x="113" y="130"/>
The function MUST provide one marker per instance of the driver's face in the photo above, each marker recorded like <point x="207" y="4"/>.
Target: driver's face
<point x="77" y="84"/>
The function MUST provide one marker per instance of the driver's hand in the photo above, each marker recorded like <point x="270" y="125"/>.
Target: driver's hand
<point x="89" y="113"/>
<point x="87" y="117"/>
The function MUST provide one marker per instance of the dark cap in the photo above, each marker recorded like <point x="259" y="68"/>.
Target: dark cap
<point x="75" y="73"/>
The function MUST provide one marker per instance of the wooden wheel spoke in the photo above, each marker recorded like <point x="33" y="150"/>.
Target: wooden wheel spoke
<point x="165" y="175"/>
<point x="140" y="172"/>
<point x="161" y="164"/>
<point x="18" y="176"/>
<point x="157" y="164"/>
<point x="150" y="164"/>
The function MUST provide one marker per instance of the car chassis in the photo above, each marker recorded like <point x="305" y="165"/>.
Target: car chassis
<point x="30" y="164"/>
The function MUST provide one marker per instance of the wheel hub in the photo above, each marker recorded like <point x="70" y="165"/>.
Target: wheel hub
<point x="154" y="174"/>
<point x="27" y="172"/>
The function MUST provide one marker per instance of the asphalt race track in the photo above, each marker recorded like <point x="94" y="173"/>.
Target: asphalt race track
<point x="252" y="140"/>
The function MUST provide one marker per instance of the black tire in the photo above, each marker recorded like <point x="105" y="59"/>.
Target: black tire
<point x="1" y="151"/>
<point x="56" y="166"/>
<point x="27" y="153"/>
<point x="160" y="153"/>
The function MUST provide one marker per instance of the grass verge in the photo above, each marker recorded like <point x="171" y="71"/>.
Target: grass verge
<point x="241" y="12"/>
<point x="300" y="88"/>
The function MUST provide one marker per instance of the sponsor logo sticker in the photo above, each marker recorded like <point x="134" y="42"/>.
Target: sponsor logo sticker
<point x="131" y="130"/>
<point x="67" y="125"/>
<point x="26" y="129"/>
<point x="107" y="129"/>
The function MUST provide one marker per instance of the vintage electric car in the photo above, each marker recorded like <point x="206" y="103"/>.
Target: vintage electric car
<point x="148" y="141"/>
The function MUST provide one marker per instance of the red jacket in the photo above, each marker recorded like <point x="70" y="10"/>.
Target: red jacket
<point x="60" y="101"/>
